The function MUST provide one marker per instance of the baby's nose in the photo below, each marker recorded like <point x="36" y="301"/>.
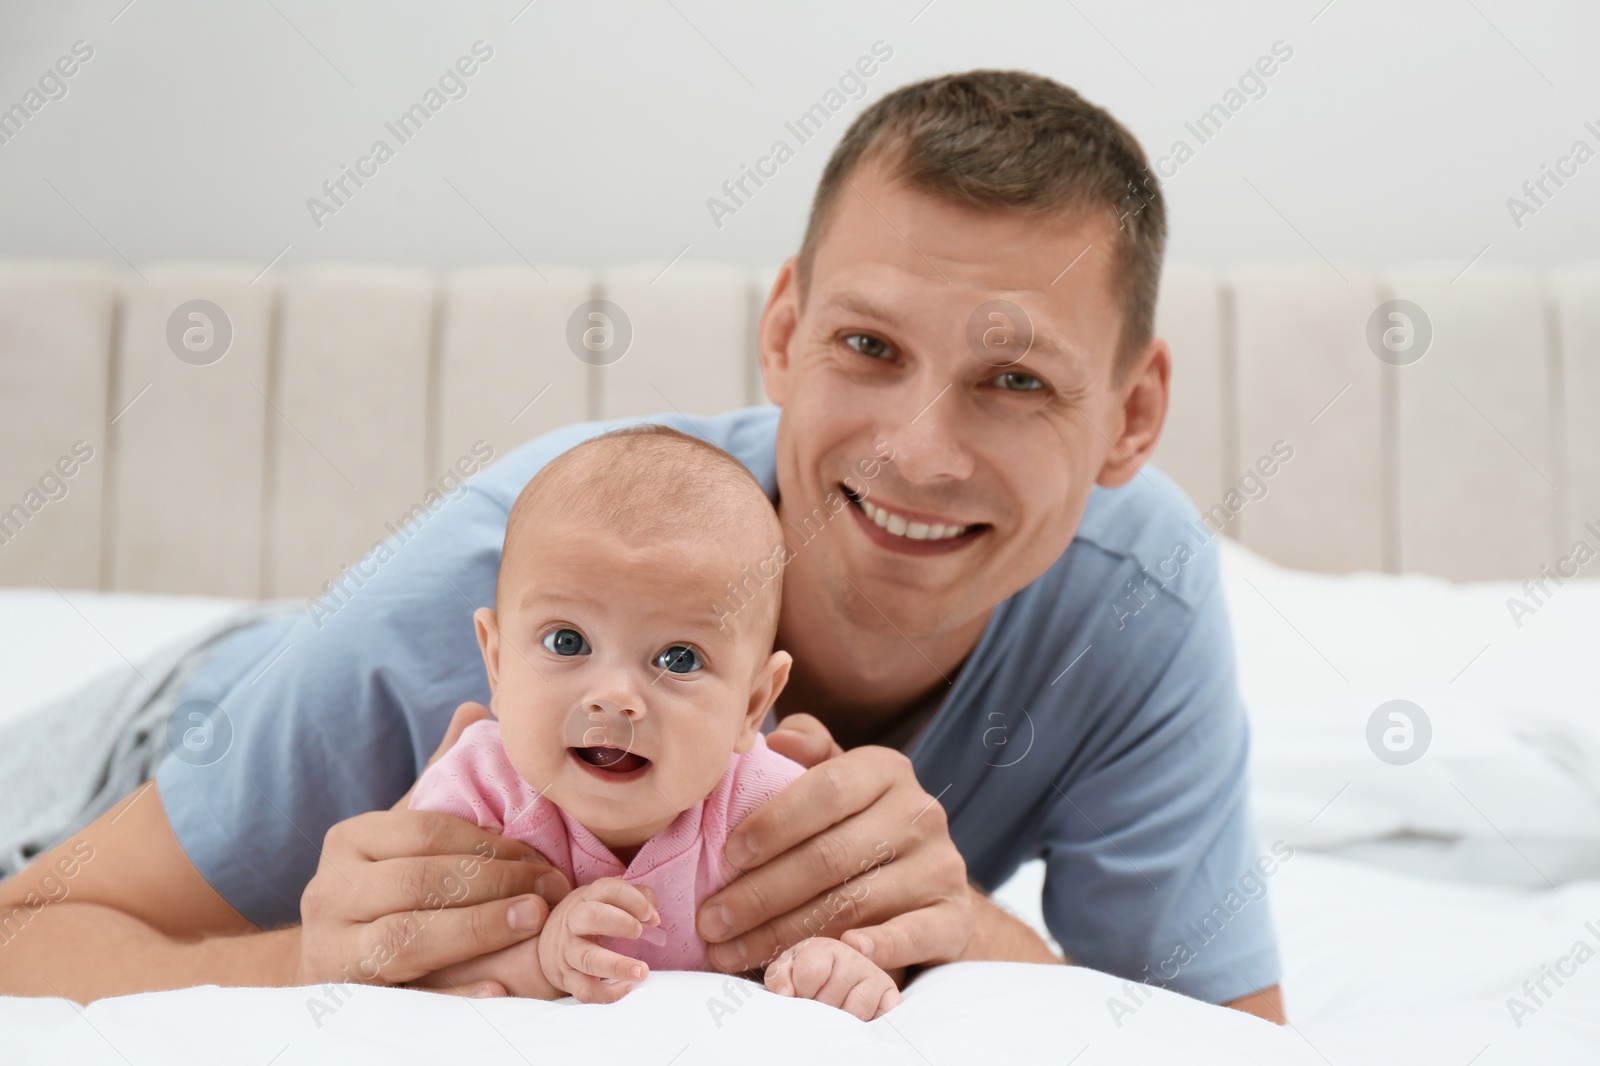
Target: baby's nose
<point x="603" y="723"/>
<point x="612" y="711"/>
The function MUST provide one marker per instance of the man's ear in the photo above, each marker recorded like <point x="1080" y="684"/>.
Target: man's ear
<point x="488" y="627"/>
<point x="769" y="685"/>
<point x="1141" y="412"/>
<point x="779" y="320"/>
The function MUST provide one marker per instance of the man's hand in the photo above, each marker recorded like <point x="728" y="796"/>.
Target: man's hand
<point x="569" y="949"/>
<point x="399" y="894"/>
<point x="853" y="849"/>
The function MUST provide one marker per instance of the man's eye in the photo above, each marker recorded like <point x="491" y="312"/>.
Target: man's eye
<point x="566" y="642"/>
<point x="867" y="345"/>
<point x="1023" y="382"/>
<point x="678" y="659"/>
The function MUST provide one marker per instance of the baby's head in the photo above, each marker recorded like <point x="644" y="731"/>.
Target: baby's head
<point x="622" y="681"/>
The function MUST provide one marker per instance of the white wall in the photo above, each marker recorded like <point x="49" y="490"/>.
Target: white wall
<point x="597" y="131"/>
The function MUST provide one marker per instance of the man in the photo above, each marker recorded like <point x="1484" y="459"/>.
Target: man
<point x="967" y="389"/>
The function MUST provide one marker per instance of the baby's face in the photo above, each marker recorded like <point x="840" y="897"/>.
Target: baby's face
<point x="619" y="698"/>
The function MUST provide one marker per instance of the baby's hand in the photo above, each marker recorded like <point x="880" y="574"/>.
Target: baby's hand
<point x="569" y="953"/>
<point x="834" y="973"/>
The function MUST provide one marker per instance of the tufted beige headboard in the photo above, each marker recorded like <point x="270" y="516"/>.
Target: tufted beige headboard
<point x="346" y="394"/>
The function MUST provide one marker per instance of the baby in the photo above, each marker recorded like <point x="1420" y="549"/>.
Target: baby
<point x="628" y="702"/>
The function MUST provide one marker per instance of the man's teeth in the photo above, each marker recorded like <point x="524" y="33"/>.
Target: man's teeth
<point x="911" y="530"/>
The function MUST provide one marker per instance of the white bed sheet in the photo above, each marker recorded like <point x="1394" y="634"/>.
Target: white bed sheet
<point x="53" y="641"/>
<point x="1508" y="790"/>
<point x="1380" y="966"/>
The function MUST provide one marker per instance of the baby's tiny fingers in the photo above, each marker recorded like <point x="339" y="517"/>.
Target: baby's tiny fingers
<point x="779" y="977"/>
<point x="590" y="958"/>
<point x="620" y="893"/>
<point x="593" y="918"/>
<point x="470" y="990"/>
<point x="817" y="964"/>
<point x="872" y="996"/>
<point x="588" y="989"/>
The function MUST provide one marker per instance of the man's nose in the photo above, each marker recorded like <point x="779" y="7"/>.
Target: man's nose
<point x="928" y="437"/>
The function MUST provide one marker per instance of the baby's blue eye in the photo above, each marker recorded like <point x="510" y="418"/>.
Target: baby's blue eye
<point x="566" y="642"/>
<point x="678" y="659"/>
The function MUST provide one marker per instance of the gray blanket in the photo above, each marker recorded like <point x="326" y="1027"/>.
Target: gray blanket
<point x="66" y="763"/>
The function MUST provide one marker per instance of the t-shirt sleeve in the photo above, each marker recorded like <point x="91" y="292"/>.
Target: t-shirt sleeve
<point x="1152" y="865"/>
<point x="344" y="721"/>
<point x="340" y="718"/>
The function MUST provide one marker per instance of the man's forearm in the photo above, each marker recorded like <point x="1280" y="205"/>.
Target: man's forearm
<point x="86" y="951"/>
<point x="998" y="937"/>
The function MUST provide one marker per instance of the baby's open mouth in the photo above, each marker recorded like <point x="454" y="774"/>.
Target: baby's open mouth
<point x="610" y="760"/>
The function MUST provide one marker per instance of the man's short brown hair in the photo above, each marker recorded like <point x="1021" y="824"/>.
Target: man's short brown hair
<point x="1012" y="140"/>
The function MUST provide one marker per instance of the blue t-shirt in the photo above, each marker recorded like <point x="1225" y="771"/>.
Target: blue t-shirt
<point x="1097" y="724"/>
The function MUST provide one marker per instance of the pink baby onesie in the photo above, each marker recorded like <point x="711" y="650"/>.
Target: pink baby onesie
<point x="683" y="863"/>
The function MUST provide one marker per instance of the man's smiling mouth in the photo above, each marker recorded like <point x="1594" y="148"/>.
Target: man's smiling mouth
<point x="921" y="530"/>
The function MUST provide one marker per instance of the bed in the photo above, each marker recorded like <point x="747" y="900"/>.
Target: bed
<point x="1422" y="904"/>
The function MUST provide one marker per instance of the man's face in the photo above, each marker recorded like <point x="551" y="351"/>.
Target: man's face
<point x="894" y="354"/>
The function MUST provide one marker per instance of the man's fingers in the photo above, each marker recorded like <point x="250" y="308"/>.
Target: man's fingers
<point x="821" y="797"/>
<point x="431" y="882"/>
<point x="464" y="716"/>
<point x="803" y="738"/>
<point x="915" y="936"/>
<point x="404" y="947"/>
<point x="842" y="859"/>
<point x="903" y="939"/>
<point x="399" y="834"/>
<point x="862" y="940"/>
<point x="901" y="887"/>
<point x="404" y="860"/>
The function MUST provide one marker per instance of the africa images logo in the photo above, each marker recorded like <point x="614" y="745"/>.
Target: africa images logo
<point x="852" y="83"/>
<point x="452" y="85"/>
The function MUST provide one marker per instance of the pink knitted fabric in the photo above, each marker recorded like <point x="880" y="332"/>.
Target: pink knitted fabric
<point x="683" y="863"/>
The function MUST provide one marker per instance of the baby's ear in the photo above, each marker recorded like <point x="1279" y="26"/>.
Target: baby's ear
<point x="488" y="627"/>
<point x="774" y="674"/>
